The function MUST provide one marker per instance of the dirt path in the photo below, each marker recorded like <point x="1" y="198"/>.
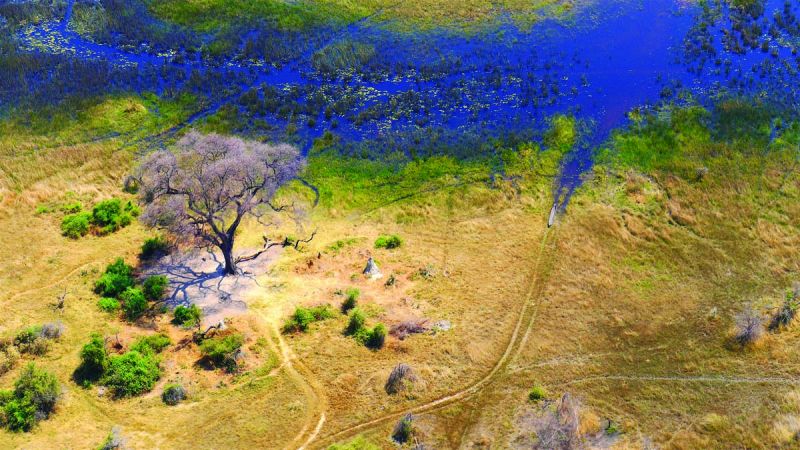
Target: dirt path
<point x="516" y="341"/>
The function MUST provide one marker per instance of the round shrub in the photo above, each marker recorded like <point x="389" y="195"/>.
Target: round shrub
<point x="133" y="373"/>
<point x="223" y="351"/>
<point x="356" y="322"/>
<point x="108" y="304"/>
<point x="173" y="394"/>
<point x="133" y="303"/>
<point x="40" y="387"/>
<point x="117" y="277"/>
<point x="94" y="359"/>
<point x="154" y="287"/>
<point x="19" y="414"/>
<point x="351" y="300"/>
<point x="537" y="393"/>
<point x="377" y="337"/>
<point x="76" y="225"/>
<point x="187" y="316"/>
<point x="388" y="242"/>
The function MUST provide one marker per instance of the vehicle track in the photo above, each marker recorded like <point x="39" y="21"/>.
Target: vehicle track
<point x="724" y="379"/>
<point x="525" y="319"/>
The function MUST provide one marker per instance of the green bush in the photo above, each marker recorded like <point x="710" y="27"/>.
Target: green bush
<point x="358" y="443"/>
<point x="76" y="225"/>
<point x="351" y="300"/>
<point x="108" y="304"/>
<point x="154" y="247"/>
<point x="94" y="359"/>
<point x="154" y="287"/>
<point x="34" y="398"/>
<point x="187" y="316"/>
<point x="117" y="278"/>
<point x="537" y="393"/>
<point x="377" y="337"/>
<point x="31" y="341"/>
<point x="222" y="351"/>
<point x="154" y="343"/>
<point x="72" y="208"/>
<point x="356" y="323"/>
<point x="133" y="373"/>
<point x="388" y="241"/>
<point x="303" y="317"/>
<point x="173" y="394"/>
<point x="134" y="303"/>
<point x="299" y="321"/>
<point x="111" y="215"/>
<point x="20" y="414"/>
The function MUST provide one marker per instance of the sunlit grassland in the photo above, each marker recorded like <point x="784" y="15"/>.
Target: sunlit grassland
<point x="207" y="15"/>
<point x="651" y="263"/>
<point x="447" y="211"/>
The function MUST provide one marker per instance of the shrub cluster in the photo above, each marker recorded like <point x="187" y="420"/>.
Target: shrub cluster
<point x="106" y="217"/>
<point x="373" y="338"/>
<point x="223" y="352"/>
<point x="187" y="316"/>
<point x="117" y="278"/>
<point x="388" y="241"/>
<point x="303" y="317"/>
<point x="117" y="286"/>
<point x="34" y="398"/>
<point x="33" y="340"/>
<point x="132" y="373"/>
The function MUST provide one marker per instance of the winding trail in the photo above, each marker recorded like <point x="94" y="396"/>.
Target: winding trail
<point x="525" y="319"/>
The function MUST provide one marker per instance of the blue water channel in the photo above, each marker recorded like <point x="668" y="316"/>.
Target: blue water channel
<point x="438" y="91"/>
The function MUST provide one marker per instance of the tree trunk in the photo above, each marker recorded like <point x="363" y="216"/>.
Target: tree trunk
<point x="230" y="263"/>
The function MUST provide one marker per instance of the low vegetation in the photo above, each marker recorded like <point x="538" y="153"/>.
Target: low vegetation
<point x="223" y="352"/>
<point x="34" y="398"/>
<point x="105" y="217"/>
<point x="187" y="316"/>
<point x="388" y="242"/>
<point x="173" y="394"/>
<point x="373" y="338"/>
<point x="302" y="318"/>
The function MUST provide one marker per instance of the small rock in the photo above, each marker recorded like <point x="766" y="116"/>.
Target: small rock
<point x="101" y="391"/>
<point x="442" y="325"/>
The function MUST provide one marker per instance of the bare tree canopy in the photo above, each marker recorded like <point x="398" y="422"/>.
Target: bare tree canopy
<point x="208" y="184"/>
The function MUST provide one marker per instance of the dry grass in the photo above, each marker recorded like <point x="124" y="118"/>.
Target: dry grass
<point x="638" y="313"/>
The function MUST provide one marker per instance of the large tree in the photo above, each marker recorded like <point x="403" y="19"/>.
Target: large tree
<point x="207" y="184"/>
